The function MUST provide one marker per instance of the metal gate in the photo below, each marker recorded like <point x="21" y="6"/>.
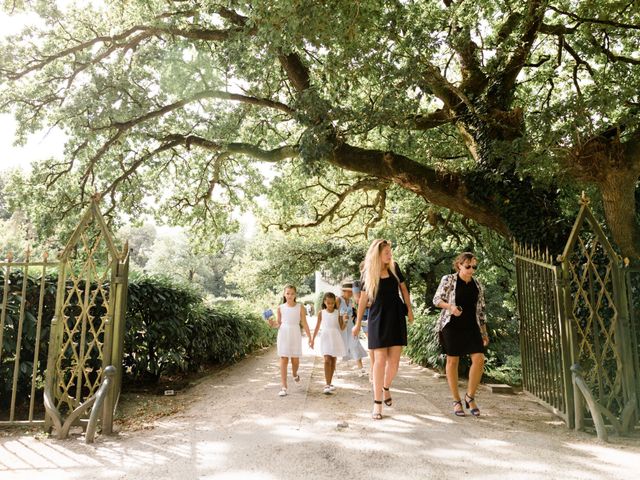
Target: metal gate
<point x="86" y="324"/>
<point x="579" y="350"/>
<point x="543" y="338"/>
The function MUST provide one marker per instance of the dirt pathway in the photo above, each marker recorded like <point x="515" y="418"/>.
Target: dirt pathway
<point x="237" y="427"/>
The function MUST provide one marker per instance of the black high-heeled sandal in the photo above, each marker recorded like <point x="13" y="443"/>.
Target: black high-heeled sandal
<point x="458" y="413"/>
<point x="387" y="401"/>
<point x="377" y="415"/>
<point x="474" y="411"/>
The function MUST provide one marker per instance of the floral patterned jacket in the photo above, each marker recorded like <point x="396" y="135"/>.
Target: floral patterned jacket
<point x="447" y="293"/>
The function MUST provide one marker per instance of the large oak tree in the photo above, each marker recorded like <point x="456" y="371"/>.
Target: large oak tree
<point x="491" y="109"/>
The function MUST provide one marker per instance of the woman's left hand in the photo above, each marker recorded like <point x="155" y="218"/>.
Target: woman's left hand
<point x="485" y="341"/>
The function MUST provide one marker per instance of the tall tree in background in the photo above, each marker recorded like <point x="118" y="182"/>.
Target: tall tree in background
<point x="493" y="110"/>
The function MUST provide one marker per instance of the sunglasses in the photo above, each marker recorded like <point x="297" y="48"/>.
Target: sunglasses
<point x="475" y="267"/>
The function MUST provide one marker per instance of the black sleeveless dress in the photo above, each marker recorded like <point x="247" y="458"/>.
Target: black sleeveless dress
<point x="461" y="336"/>
<point x="387" y="324"/>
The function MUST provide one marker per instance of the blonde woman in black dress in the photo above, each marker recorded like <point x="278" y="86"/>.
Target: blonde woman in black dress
<point x="462" y="328"/>
<point x="383" y="283"/>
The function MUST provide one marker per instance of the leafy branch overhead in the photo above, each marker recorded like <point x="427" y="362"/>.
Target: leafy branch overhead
<point x="493" y="110"/>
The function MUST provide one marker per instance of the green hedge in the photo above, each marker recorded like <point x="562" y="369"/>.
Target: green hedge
<point x="170" y="329"/>
<point x="502" y="358"/>
<point x="29" y="328"/>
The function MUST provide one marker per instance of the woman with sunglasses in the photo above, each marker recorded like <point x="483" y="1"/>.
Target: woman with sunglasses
<point x="462" y="328"/>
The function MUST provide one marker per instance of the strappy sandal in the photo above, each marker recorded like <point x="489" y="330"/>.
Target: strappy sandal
<point x="296" y="379"/>
<point x="467" y="400"/>
<point x="458" y="413"/>
<point x="377" y="415"/>
<point x="387" y="401"/>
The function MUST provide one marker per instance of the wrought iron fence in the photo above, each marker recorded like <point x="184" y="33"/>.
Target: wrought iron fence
<point x="27" y="299"/>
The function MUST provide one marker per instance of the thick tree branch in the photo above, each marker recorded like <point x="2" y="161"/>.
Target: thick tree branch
<point x="431" y="120"/>
<point x="550" y="29"/>
<point x="275" y="155"/>
<point x="123" y="127"/>
<point x="296" y="71"/>
<point x="473" y="78"/>
<point x="503" y="89"/>
<point x="445" y="190"/>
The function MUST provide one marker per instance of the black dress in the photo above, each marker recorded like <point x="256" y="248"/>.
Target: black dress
<point x="461" y="336"/>
<point x="387" y="325"/>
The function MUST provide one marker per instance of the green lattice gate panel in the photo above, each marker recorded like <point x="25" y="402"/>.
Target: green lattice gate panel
<point x="595" y="302"/>
<point x="85" y="314"/>
<point x="88" y="305"/>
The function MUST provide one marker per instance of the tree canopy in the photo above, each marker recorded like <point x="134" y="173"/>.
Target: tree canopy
<point x="496" y="111"/>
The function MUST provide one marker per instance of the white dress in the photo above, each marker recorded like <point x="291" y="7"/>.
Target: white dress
<point x="289" y="336"/>
<point x="330" y="338"/>
<point x="354" y="349"/>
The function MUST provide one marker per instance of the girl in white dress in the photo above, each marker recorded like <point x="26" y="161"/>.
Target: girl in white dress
<point x="331" y="344"/>
<point x="290" y="316"/>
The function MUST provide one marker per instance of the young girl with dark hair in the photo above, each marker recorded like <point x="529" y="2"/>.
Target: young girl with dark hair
<point x="331" y="344"/>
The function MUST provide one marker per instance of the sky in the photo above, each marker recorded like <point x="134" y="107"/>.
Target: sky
<point x="41" y="145"/>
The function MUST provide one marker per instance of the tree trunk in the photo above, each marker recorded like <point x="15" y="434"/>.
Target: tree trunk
<point x="618" y="198"/>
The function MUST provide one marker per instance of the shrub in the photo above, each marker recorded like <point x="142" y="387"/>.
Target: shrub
<point x="502" y="358"/>
<point x="170" y="329"/>
<point x="423" y="347"/>
<point x="29" y="328"/>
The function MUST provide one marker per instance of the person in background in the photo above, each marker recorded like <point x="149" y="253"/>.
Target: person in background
<point x="355" y="350"/>
<point x="462" y="328"/>
<point x="357" y="288"/>
<point x="390" y="302"/>
<point x="290" y="316"/>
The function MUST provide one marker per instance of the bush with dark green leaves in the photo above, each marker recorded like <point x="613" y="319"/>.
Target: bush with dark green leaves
<point x="170" y="329"/>
<point x="502" y="357"/>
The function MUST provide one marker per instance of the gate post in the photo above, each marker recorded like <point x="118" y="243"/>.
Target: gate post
<point x="576" y="406"/>
<point x="624" y="331"/>
<point x="120" y="286"/>
<point x="566" y="343"/>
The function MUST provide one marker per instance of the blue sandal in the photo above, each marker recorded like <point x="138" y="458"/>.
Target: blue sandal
<point x="467" y="400"/>
<point x="458" y="413"/>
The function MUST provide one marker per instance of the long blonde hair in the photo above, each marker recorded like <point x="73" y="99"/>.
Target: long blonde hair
<point x="373" y="267"/>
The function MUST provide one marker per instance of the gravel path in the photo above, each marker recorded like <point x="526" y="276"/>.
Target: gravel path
<point x="236" y="427"/>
